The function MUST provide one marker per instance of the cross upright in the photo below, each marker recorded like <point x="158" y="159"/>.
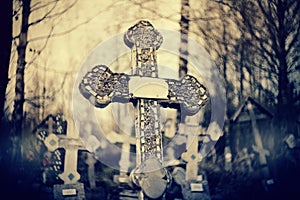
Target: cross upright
<point x="191" y="156"/>
<point x="258" y="147"/>
<point x="195" y="185"/>
<point x="147" y="92"/>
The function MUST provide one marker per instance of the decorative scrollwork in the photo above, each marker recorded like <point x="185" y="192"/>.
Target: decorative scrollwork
<point x="143" y="35"/>
<point x="189" y="93"/>
<point x="102" y="85"/>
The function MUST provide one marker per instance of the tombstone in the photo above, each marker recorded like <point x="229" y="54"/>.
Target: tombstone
<point x="195" y="185"/>
<point x="91" y="161"/>
<point x="92" y="144"/>
<point x="172" y="154"/>
<point x="51" y="161"/>
<point x="227" y="149"/>
<point x="124" y="190"/>
<point x="147" y="92"/>
<point x="254" y="115"/>
<point x="71" y="189"/>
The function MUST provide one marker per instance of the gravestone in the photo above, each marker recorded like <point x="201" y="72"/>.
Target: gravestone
<point x="147" y="92"/>
<point x="252" y="114"/>
<point x="71" y="189"/>
<point x="195" y="185"/>
<point x="122" y="179"/>
<point x="92" y="144"/>
<point x="91" y="161"/>
<point x="258" y="148"/>
<point x="126" y="141"/>
<point x="51" y="161"/>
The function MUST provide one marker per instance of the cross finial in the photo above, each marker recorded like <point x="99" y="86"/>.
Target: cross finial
<point x="143" y="35"/>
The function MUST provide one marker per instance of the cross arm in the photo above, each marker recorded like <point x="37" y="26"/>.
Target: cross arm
<point x="101" y="86"/>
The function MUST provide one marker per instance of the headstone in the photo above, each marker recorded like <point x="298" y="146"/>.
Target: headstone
<point x="92" y="144"/>
<point x="227" y="150"/>
<point x="228" y="158"/>
<point x="71" y="189"/>
<point x="124" y="190"/>
<point x="91" y="161"/>
<point x="292" y="141"/>
<point x="191" y="128"/>
<point x="51" y="161"/>
<point x="258" y="147"/>
<point x="195" y="185"/>
<point x="126" y="141"/>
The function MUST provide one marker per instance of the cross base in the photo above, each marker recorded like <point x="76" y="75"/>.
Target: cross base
<point x="194" y="189"/>
<point x="124" y="190"/>
<point x="69" y="191"/>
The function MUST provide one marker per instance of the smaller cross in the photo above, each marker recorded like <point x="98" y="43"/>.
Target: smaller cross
<point x="126" y="141"/>
<point x="91" y="161"/>
<point x="71" y="143"/>
<point x="71" y="188"/>
<point x="258" y="147"/>
<point x="51" y="124"/>
<point x="195" y="185"/>
<point x="192" y="129"/>
<point x="91" y="145"/>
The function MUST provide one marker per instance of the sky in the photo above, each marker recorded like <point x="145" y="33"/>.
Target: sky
<point x="54" y="62"/>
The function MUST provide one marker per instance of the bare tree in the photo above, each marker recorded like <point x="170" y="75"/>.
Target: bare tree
<point x="24" y="8"/>
<point x="275" y="32"/>
<point x="19" y="88"/>
<point x="6" y="11"/>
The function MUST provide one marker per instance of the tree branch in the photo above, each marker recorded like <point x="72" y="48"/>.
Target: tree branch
<point x="76" y="26"/>
<point x="35" y="8"/>
<point x="45" y="16"/>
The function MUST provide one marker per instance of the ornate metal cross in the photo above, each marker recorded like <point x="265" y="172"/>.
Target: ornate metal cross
<point x="143" y="87"/>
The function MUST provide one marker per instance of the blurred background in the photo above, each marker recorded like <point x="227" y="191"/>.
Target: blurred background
<point x="255" y="45"/>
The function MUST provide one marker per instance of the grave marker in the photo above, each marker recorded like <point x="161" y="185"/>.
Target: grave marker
<point x="101" y="86"/>
<point x="71" y="189"/>
<point x="195" y="185"/>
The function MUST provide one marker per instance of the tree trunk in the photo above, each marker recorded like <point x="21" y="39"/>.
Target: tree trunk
<point x="283" y="93"/>
<point x="6" y="10"/>
<point x="184" y="30"/>
<point x="5" y="49"/>
<point x="17" y="117"/>
<point x="183" y="48"/>
<point x="241" y="65"/>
